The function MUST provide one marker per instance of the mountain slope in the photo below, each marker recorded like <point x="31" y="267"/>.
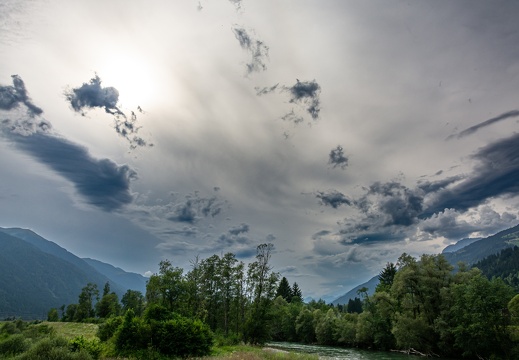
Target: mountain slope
<point x="479" y="250"/>
<point x="52" y="248"/>
<point x="352" y="294"/>
<point x="32" y="282"/>
<point x="129" y="280"/>
<point x="460" y="245"/>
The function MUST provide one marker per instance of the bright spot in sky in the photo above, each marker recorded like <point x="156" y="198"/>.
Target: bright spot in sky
<point x="132" y="76"/>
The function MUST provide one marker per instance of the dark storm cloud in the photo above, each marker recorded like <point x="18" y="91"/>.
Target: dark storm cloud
<point x="337" y="158"/>
<point x="236" y="230"/>
<point x="306" y="93"/>
<point x="368" y="238"/>
<point x="12" y="96"/>
<point x="128" y="129"/>
<point x="101" y="182"/>
<point x="195" y="208"/>
<point x="332" y="198"/>
<point x="495" y="175"/>
<point x="92" y="95"/>
<point x="397" y="203"/>
<point x="473" y="129"/>
<point x="434" y="186"/>
<point x="258" y="50"/>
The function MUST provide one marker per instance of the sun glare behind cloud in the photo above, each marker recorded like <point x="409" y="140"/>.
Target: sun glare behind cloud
<point x="132" y="76"/>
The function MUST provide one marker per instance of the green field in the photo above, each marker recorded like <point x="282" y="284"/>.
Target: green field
<point x="70" y="330"/>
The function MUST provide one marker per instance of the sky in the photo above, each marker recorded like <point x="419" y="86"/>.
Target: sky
<point x="345" y="133"/>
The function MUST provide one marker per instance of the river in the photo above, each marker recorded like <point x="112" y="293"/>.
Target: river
<point x="328" y="352"/>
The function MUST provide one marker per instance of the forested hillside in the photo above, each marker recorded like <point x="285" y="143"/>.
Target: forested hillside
<point x="37" y="274"/>
<point x="504" y="265"/>
<point x="32" y="281"/>
<point x="479" y="250"/>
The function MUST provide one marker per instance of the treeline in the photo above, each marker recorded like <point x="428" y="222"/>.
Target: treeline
<point x="504" y="265"/>
<point x="420" y="306"/>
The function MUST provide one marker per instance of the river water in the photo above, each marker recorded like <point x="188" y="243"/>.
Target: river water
<point x="328" y="352"/>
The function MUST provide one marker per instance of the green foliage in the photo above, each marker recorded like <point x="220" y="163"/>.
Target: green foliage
<point x="85" y="308"/>
<point x="354" y="306"/>
<point x="305" y="326"/>
<point x="108" y="306"/>
<point x="133" y="334"/>
<point x="53" y="315"/>
<point x="53" y="349"/>
<point x="183" y="337"/>
<point x="284" y="290"/>
<point x="326" y="328"/>
<point x="92" y="347"/>
<point x="13" y="345"/>
<point x="133" y="299"/>
<point x="386" y="277"/>
<point x="297" y="295"/>
<point x="107" y="329"/>
<point x="504" y="265"/>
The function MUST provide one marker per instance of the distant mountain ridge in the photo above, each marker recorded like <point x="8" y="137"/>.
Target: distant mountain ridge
<point x="37" y="274"/>
<point x="128" y="280"/>
<point x="491" y="245"/>
<point x="469" y="251"/>
<point x="460" y="245"/>
<point x="371" y="285"/>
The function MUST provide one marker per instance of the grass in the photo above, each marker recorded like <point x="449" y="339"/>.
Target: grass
<point x="70" y="330"/>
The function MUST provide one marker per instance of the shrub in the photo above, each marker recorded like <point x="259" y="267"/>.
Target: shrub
<point x="13" y="345"/>
<point x="53" y="349"/>
<point x="133" y="334"/>
<point x="79" y="343"/>
<point x="107" y="329"/>
<point x="183" y="337"/>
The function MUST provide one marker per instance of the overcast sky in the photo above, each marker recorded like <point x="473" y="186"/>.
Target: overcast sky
<point x="343" y="132"/>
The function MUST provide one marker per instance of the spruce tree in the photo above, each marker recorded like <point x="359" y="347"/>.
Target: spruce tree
<point x="297" y="295"/>
<point x="284" y="290"/>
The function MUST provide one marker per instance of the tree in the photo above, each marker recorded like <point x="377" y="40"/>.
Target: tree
<point x="108" y="305"/>
<point x="262" y="284"/>
<point x="354" y="306"/>
<point x="305" y="326"/>
<point x="133" y="299"/>
<point x="168" y="287"/>
<point x="478" y="319"/>
<point x="284" y="290"/>
<point x="53" y="315"/>
<point x="297" y="295"/>
<point x="386" y="277"/>
<point x="85" y="308"/>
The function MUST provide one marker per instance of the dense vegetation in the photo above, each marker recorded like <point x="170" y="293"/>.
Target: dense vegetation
<point x="420" y="306"/>
<point x="504" y="265"/>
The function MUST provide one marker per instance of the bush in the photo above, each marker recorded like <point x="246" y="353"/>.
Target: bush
<point x="183" y="337"/>
<point x="13" y="345"/>
<point x="53" y="349"/>
<point x="79" y="343"/>
<point x="107" y="329"/>
<point x="133" y="334"/>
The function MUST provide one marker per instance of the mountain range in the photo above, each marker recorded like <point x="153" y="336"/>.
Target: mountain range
<point x="37" y="275"/>
<point x="469" y="251"/>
